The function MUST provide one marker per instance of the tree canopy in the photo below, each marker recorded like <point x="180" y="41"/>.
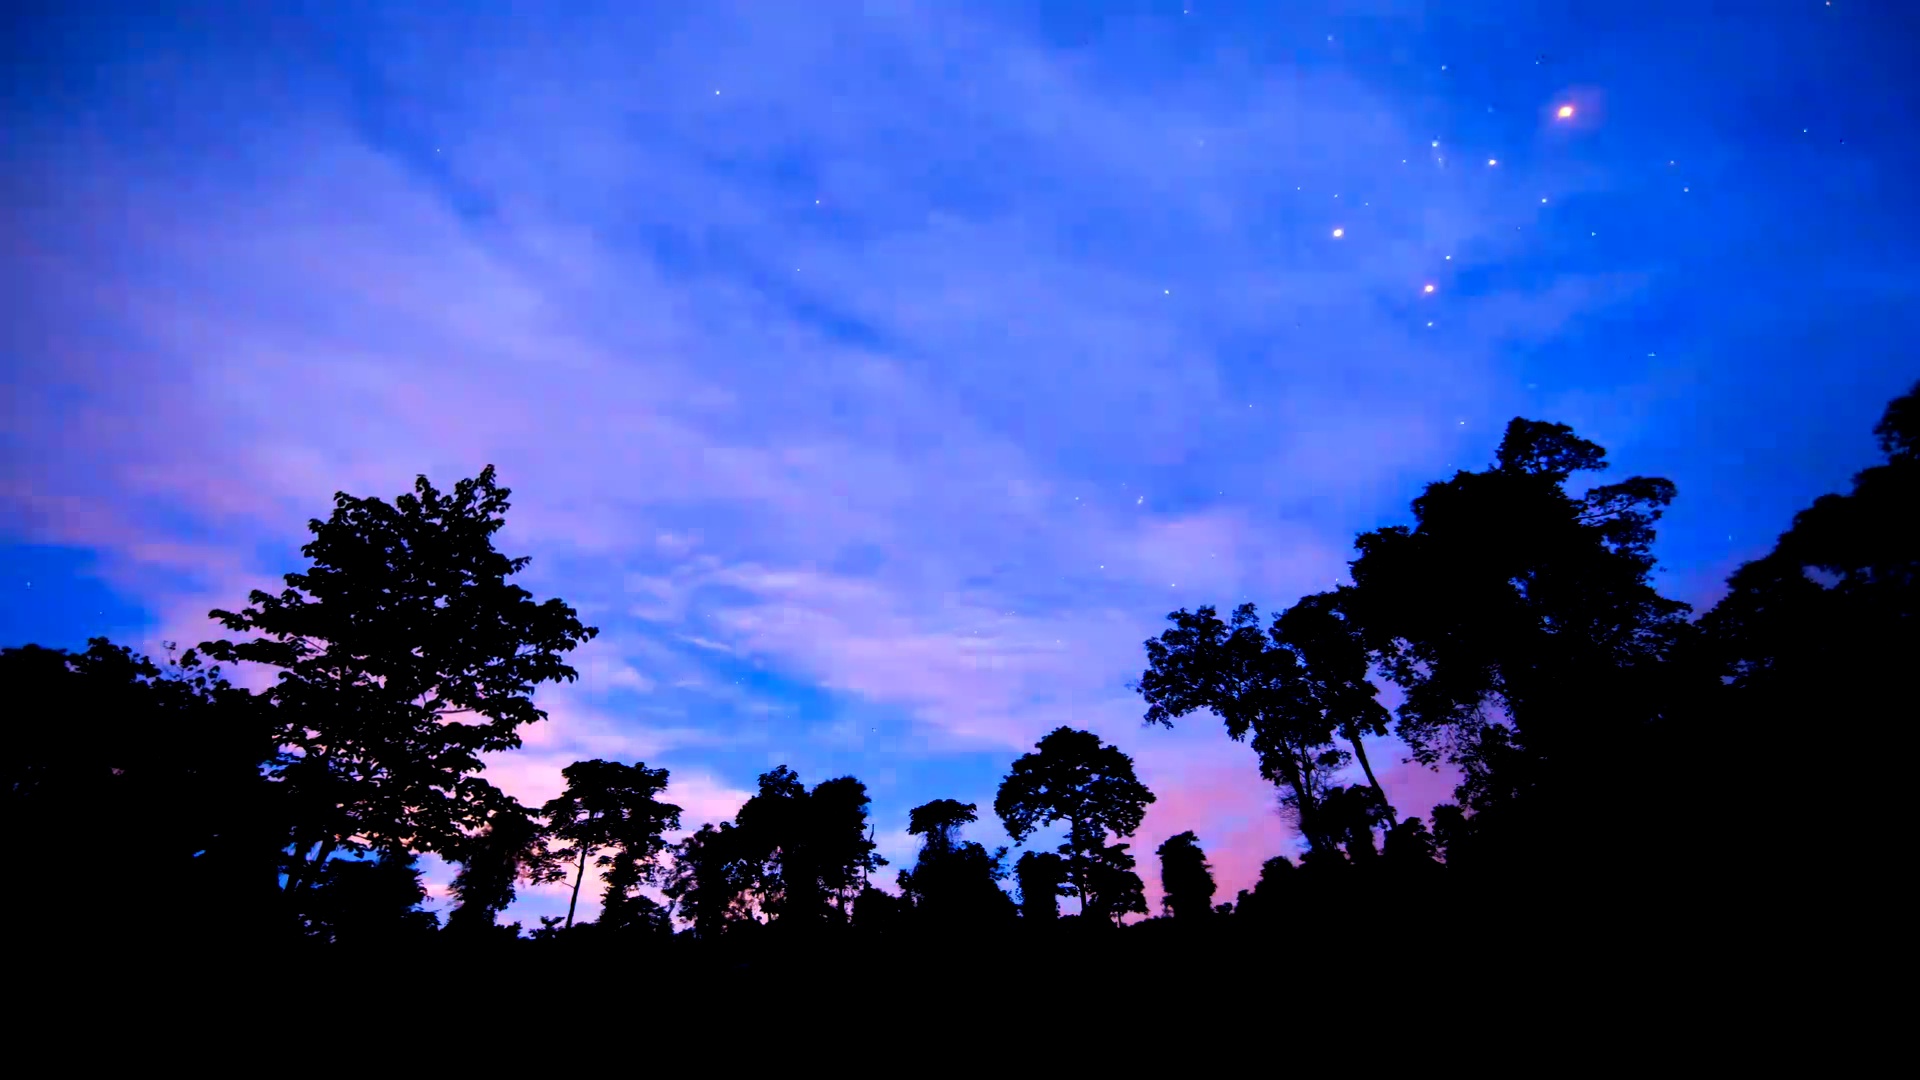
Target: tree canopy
<point x="404" y="654"/>
<point x="1073" y="777"/>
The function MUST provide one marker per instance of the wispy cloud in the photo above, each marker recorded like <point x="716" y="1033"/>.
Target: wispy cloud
<point x="894" y="359"/>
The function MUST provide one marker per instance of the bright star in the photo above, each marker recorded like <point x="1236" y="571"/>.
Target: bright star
<point x="1428" y="289"/>
<point x="1493" y="161"/>
<point x="1338" y="233"/>
<point x="1565" y="113"/>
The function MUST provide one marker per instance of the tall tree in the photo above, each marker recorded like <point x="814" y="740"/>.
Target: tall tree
<point x="404" y="655"/>
<point x="842" y="839"/>
<point x="1521" y="622"/>
<point x="1257" y="686"/>
<point x="1073" y="777"/>
<point x="811" y="847"/>
<point x="1332" y="671"/>
<point x="611" y="815"/>
<point x="1186" y="880"/>
<point x="939" y="822"/>
<point x="953" y="881"/>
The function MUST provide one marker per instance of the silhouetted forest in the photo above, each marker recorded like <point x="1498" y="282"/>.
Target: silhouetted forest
<point x="1630" y="773"/>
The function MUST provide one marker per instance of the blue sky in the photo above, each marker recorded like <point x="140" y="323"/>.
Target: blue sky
<point x="877" y="376"/>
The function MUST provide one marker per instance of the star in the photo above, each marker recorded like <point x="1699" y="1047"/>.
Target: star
<point x="1565" y="112"/>
<point x="1493" y="161"/>
<point x="1543" y="198"/>
<point x="1338" y="233"/>
<point x="1140" y="500"/>
<point x="1436" y="142"/>
<point x="1427" y="289"/>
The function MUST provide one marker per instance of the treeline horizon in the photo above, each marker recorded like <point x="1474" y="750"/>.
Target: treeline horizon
<point x="1614" y="750"/>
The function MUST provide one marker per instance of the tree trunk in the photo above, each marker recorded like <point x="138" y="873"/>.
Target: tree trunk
<point x="1360" y="754"/>
<point x="1302" y="780"/>
<point x="577" y="879"/>
<point x="1079" y="865"/>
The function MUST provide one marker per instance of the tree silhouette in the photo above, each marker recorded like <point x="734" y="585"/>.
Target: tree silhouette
<point x="811" y="847"/>
<point x="1821" y="627"/>
<point x="511" y="847"/>
<point x="1256" y="685"/>
<point x="940" y="822"/>
<point x="611" y="814"/>
<point x="1332" y="667"/>
<point x="1043" y="881"/>
<point x="710" y="877"/>
<point x="1113" y="890"/>
<point x="1269" y="899"/>
<point x="841" y="839"/>
<point x="1351" y="816"/>
<point x="161" y="765"/>
<point x="953" y="882"/>
<point x="370" y="903"/>
<point x="1075" y="778"/>
<point x="1516" y="614"/>
<point x="404" y="655"/>
<point x="1410" y="848"/>
<point x="1186" y="880"/>
<point x="1521" y="623"/>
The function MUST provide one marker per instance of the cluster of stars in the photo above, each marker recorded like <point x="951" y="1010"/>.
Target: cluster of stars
<point x="1563" y="112"/>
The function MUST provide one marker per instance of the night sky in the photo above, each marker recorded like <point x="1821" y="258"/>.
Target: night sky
<point x="877" y="376"/>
